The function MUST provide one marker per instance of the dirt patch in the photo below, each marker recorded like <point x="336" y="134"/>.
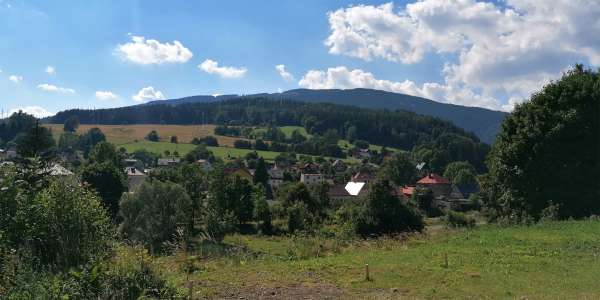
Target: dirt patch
<point x="293" y="291"/>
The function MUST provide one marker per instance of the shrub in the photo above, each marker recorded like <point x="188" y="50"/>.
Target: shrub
<point x="174" y="139"/>
<point x="242" y="144"/>
<point x="153" y="136"/>
<point x="207" y="140"/>
<point x="152" y="214"/>
<point x="457" y="219"/>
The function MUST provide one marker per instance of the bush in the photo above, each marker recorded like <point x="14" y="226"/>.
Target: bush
<point x="242" y="144"/>
<point x="457" y="219"/>
<point x="174" y="139"/>
<point x="207" y="140"/>
<point x="61" y="226"/>
<point x="153" y="136"/>
<point x="152" y="215"/>
<point x="216" y="225"/>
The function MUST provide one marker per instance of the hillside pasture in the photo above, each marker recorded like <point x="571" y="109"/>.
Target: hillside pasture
<point x="557" y="260"/>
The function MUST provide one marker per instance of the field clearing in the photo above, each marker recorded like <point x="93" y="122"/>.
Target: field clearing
<point x="183" y="149"/>
<point x="123" y="134"/>
<point x="558" y="260"/>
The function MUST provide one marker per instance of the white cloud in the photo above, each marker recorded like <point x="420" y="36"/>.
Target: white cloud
<point x="15" y="78"/>
<point x="56" y="89"/>
<point x="50" y="70"/>
<point x="212" y="67"/>
<point x="145" y="52"/>
<point x="36" y="111"/>
<point x="287" y="76"/>
<point x="105" y="95"/>
<point x="511" y="50"/>
<point x="343" y="78"/>
<point x="147" y="94"/>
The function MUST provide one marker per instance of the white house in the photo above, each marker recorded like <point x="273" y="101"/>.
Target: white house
<point x="311" y="178"/>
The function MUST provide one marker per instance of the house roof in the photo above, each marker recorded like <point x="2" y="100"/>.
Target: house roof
<point x="238" y="171"/>
<point x="167" y="161"/>
<point x="407" y="190"/>
<point x="338" y="190"/>
<point x="363" y="176"/>
<point x="57" y="170"/>
<point x="433" y="178"/>
<point x="354" y="188"/>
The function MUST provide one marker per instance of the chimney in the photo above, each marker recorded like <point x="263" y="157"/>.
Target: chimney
<point x="430" y="175"/>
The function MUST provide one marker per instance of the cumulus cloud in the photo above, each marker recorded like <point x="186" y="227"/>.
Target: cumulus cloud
<point x="55" y="89"/>
<point x="287" y="76"/>
<point x="212" y="67"/>
<point x="342" y="78"/>
<point x="105" y="95"/>
<point x="15" y="78"/>
<point x="146" y="52"/>
<point x="50" y="70"/>
<point x="147" y="94"/>
<point x="512" y="49"/>
<point x="36" y="111"/>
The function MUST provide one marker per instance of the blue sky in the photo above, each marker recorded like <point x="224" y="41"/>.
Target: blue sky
<point x="81" y="41"/>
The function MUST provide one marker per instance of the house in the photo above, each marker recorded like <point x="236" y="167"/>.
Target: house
<point x="130" y="162"/>
<point x="364" y="153"/>
<point x="406" y="192"/>
<point x="135" y="178"/>
<point x="311" y="178"/>
<point x="310" y="168"/>
<point x="463" y="191"/>
<point x="350" y="190"/>
<point x="204" y="164"/>
<point x="241" y="172"/>
<point x="339" y="166"/>
<point x="11" y="154"/>
<point x="363" y="176"/>
<point x="57" y="170"/>
<point x="2" y="154"/>
<point x="439" y="185"/>
<point x="275" y="176"/>
<point x="168" y="162"/>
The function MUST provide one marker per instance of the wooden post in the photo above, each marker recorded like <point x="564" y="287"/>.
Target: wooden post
<point x="367" y="276"/>
<point x="446" y="260"/>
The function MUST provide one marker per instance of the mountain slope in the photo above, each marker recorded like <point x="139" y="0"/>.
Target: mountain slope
<point x="484" y="123"/>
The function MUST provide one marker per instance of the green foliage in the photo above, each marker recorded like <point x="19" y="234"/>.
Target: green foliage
<point x="109" y="181"/>
<point x="148" y="158"/>
<point x="200" y="152"/>
<point x="174" y="139"/>
<point x="262" y="213"/>
<point x="458" y="219"/>
<point x="230" y="194"/>
<point x="152" y="215"/>
<point x="71" y="124"/>
<point x="37" y="141"/>
<point x="425" y="201"/>
<point x="381" y="213"/>
<point x="90" y="138"/>
<point x="104" y="152"/>
<point x="217" y="225"/>
<point x="461" y="173"/>
<point x="68" y="142"/>
<point x="260" y="174"/>
<point x="152" y="136"/>
<point x="400" y="169"/>
<point x="548" y="152"/>
<point x="299" y="218"/>
<point x="207" y="140"/>
<point x="55" y="224"/>
<point x="18" y="122"/>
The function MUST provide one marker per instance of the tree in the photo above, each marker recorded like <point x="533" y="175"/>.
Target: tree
<point x="351" y="134"/>
<point x="261" y="175"/>
<point x="548" y="152"/>
<point x="71" y="124"/>
<point x="56" y="221"/>
<point x="68" y="142"/>
<point x="207" y="140"/>
<point x="461" y="172"/>
<point x="37" y="141"/>
<point x="153" y="213"/>
<point x="262" y="213"/>
<point x="400" y="169"/>
<point x="89" y="139"/>
<point x="382" y="212"/>
<point x="153" y="136"/>
<point x="174" y="139"/>
<point x="297" y="137"/>
<point x="200" y="152"/>
<point x="105" y="152"/>
<point x="109" y="181"/>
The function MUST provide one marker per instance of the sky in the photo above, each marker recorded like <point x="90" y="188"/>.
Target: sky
<point x="57" y="55"/>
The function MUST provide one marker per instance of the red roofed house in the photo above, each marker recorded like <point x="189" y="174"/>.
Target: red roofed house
<point x="407" y="191"/>
<point x="439" y="185"/>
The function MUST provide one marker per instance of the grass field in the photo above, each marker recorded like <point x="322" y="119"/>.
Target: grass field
<point x="559" y="260"/>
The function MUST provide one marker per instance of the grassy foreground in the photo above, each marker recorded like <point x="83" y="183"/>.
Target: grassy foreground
<point x="551" y="260"/>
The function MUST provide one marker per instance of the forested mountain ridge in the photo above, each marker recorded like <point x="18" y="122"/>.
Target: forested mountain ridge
<point x="483" y="122"/>
<point x="433" y="138"/>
